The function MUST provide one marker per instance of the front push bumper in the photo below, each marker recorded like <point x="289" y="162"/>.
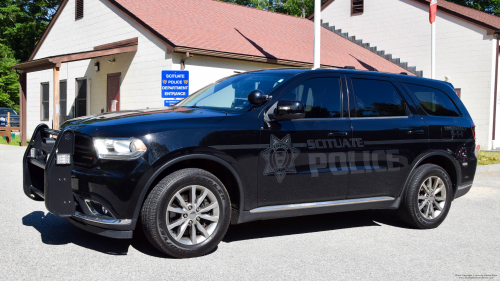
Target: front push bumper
<point x="44" y="179"/>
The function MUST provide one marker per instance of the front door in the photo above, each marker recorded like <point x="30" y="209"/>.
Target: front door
<point x="391" y="133"/>
<point x="113" y="95"/>
<point x="304" y="160"/>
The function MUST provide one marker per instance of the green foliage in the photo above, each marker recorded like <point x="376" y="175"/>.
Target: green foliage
<point x="488" y="6"/>
<point x="9" y="87"/>
<point x="298" y="8"/>
<point x="22" y="23"/>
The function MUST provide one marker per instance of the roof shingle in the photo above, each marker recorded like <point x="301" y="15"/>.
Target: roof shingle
<point x="224" y="27"/>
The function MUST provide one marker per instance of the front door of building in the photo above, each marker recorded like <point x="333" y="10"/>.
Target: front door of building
<point x="113" y="93"/>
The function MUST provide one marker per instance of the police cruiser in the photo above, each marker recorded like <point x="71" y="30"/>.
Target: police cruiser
<point x="259" y="145"/>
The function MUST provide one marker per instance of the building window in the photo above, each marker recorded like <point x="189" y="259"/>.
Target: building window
<point x="357" y="7"/>
<point x="78" y="9"/>
<point x="63" y="103"/>
<point x="81" y="98"/>
<point x="44" y="102"/>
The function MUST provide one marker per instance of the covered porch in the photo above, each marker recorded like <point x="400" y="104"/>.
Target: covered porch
<point x="54" y="63"/>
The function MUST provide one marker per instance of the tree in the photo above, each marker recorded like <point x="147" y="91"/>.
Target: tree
<point x="298" y="8"/>
<point x="22" y="23"/>
<point x="9" y="87"/>
<point x="488" y="6"/>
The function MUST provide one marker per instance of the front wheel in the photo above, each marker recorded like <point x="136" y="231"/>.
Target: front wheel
<point x="427" y="198"/>
<point x="187" y="213"/>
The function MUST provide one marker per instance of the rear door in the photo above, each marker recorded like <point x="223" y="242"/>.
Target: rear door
<point x="391" y="133"/>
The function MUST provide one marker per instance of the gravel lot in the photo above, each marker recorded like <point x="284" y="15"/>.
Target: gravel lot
<point x="368" y="245"/>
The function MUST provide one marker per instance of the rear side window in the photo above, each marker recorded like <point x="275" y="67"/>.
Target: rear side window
<point x="377" y="98"/>
<point x="433" y="101"/>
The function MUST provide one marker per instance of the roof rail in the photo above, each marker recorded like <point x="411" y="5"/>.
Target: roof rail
<point x="403" y="73"/>
<point x="349" y="67"/>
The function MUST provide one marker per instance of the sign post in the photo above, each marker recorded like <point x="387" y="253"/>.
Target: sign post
<point x="174" y="86"/>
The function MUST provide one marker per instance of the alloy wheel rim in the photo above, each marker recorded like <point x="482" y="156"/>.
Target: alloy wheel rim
<point x="192" y="214"/>
<point x="432" y="197"/>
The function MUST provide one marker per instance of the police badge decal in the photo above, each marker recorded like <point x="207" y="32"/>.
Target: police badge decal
<point x="280" y="157"/>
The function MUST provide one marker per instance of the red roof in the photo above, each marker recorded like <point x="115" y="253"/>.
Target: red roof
<point x="224" y="27"/>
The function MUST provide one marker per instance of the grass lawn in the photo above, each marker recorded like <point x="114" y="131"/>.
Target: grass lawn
<point x="16" y="141"/>
<point x="488" y="157"/>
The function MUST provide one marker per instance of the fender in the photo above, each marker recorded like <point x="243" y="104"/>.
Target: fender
<point x="434" y="153"/>
<point x="182" y="158"/>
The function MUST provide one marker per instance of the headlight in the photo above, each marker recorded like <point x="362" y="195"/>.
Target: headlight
<point x="3" y="119"/>
<point x="119" y="149"/>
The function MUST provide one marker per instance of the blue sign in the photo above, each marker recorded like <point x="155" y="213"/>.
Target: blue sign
<point x="174" y="86"/>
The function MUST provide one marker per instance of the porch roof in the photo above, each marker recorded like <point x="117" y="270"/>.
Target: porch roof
<point x="119" y="47"/>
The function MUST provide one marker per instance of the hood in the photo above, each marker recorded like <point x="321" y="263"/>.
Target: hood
<point x="142" y="122"/>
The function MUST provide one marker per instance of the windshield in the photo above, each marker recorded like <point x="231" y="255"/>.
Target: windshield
<point x="4" y="111"/>
<point x="231" y="93"/>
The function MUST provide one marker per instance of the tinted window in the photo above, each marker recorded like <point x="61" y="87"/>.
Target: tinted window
<point x="433" y="101"/>
<point x="377" y="98"/>
<point x="320" y="96"/>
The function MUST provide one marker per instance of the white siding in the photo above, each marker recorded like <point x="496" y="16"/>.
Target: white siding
<point x="401" y="27"/>
<point x="140" y="71"/>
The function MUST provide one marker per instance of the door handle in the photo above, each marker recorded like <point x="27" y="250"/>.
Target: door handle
<point x="337" y="134"/>
<point x="416" y="132"/>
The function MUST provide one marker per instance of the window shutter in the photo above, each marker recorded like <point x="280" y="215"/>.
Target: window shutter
<point x="357" y="7"/>
<point x="78" y="9"/>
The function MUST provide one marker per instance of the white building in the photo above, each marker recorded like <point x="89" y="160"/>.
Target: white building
<point x="466" y="47"/>
<point x="101" y="55"/>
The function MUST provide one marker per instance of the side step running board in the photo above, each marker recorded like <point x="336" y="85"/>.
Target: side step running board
<point x="314" y="208"/>
<point x="320" y="204"/>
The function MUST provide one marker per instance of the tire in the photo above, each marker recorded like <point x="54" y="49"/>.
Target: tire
<point x="163" y="210"/>
<point x="417" y="208"/>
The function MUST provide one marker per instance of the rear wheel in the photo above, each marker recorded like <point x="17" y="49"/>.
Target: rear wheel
<point x="187" y="213"/>
<point x="427" y="198"/>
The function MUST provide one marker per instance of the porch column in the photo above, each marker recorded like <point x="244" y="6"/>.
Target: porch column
<point x="22" y="107"/>
<point x="55" y="99"/>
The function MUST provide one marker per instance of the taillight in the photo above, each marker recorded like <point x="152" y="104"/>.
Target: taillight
<point x="474" y="132"/>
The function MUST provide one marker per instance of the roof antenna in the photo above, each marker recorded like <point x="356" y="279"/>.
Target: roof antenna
<point x="317" y="34"/>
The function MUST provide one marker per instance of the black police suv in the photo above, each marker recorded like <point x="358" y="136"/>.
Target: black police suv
<point x="258" y="145"/>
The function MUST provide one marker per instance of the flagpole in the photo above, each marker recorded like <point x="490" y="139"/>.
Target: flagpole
<point x="317" y="34"/>
<point x="432" y="20"/>
<point x="433" y="50"/>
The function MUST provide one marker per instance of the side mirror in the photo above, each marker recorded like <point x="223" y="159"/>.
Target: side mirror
<point x="257" y="97"/>
<point x="288" y="110"/>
